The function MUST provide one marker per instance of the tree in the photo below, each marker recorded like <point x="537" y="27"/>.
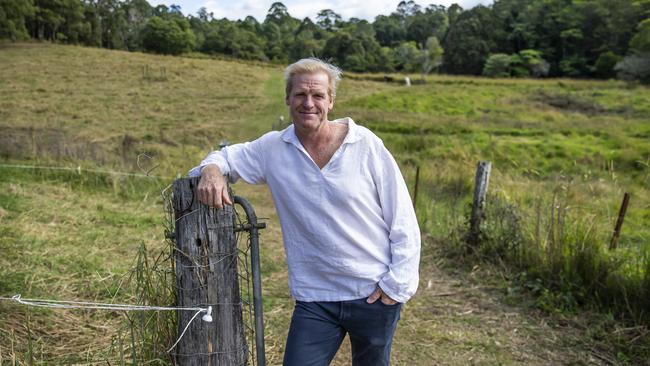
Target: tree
<point x="203" y="14"/>
<point x="47" y="19"/>
<point x="422" y="25"/>
<point x="169" y="36"/>
<point x="497" y="65"/>
<point x="93" y="34"/>
<point x="453" y="12"/>
<point x="389" y="30"/>
<point x="137" y="13"/>
<point x="277" y="13"/>
<point x="235" y="39"/>
<point x="634" y="67"/>
<point x="407" y="57"/>
<point x="606" y="63"/>
<point x="408" y="8"/>
<point x="13" y="15"/>
<point x="468" y="43"/>
<point x="274" y="43"/>
<point x="431" y="55"/>
<point x="355" y="48"/>
<point x="641" y="40"/>
<point x="308" y="42"/>
<point x="531" y="63"/>
<point x="327" y="19"/>
<point x="112" y="19"/>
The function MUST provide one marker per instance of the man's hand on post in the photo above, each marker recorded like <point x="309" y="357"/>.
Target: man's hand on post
<point x="380" y="294"/>
<point x="213" y="189"/>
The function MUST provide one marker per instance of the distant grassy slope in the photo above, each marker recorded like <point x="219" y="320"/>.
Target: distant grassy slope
<point x="107" y="106"/>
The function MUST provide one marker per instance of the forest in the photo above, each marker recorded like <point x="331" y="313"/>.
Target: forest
<point x="510" y="38"/>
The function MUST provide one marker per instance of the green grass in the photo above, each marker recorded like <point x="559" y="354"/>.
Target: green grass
<point x="71" y="235"/>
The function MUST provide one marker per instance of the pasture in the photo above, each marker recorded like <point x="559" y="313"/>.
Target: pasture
<point x="543" y="289"/>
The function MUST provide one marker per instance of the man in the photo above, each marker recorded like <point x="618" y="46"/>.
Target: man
<point x="350" y="233"/>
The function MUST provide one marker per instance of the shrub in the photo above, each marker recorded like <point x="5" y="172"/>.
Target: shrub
<point x="532" y="60"/>
<point x="497" y="65"/>
<point x="634" y="67"/>
<point x="606" y="63"/>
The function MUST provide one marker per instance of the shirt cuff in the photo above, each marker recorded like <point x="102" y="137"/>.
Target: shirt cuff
<point x="391" y="293"/>
<point x="214" y="158"/>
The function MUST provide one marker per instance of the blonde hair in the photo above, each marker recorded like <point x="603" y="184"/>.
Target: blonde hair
<point x="310" y="66"/>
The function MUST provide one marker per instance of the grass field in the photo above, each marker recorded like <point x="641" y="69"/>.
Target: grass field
<point x="563" y="154"/>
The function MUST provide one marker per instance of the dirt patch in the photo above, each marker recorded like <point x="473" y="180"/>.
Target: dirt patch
<point x="568" y="102"/>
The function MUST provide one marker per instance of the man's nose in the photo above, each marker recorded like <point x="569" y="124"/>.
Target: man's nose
<point x="308" y="102"/>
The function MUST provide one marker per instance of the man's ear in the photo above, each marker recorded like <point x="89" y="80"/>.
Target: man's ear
<point x="286" y="99"/>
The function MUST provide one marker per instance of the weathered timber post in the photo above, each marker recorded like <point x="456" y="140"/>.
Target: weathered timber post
<point x="478" y="204"/>
<point x="619" y="222"/>
<point x="206" y="273"/>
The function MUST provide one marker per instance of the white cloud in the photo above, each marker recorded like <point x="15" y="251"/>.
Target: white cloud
<point x="300" y="9"/>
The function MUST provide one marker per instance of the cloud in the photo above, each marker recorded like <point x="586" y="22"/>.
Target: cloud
<point x="363" y="9"/>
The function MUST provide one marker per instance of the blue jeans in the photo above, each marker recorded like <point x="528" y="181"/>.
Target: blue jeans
<point x="318" y="328"/>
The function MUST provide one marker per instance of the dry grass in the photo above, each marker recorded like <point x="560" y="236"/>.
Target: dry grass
<point x="70" y="236"/>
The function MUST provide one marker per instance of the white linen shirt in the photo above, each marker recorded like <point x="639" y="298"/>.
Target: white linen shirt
<point x="347" y="227"/>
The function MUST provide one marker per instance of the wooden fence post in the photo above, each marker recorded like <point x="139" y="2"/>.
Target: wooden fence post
<point x="619" y="222"/>
<point x="206" y="275"/>
<point x="478" y="204"/>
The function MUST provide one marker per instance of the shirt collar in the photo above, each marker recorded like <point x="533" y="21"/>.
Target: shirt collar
<point x="354" y="135"/>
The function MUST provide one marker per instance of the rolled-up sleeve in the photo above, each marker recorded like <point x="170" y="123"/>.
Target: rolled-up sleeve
<point x="401" y="280"/>
<point x="245" y="161"/>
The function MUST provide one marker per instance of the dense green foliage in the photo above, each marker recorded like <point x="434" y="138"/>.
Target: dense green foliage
<point x="570" y="37"/>
<point x="171" y="36"/>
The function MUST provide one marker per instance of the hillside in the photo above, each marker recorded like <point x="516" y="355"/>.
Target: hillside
<point x="78" y="234"/>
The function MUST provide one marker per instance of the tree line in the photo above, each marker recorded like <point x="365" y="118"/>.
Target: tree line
<point x="575" y="38"/>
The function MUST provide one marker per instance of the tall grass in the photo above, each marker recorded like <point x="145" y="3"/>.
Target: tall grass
<point x="152" y="282"/>
<point x="549" y="239"/>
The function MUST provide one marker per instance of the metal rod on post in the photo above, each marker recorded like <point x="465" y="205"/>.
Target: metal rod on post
<point x="253" y="228"/>
<point x="619" y="222"/>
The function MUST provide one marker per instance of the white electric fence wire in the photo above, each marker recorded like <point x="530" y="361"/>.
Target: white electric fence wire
<point x="59" y="304"/>
<point x="79" y="169"/>
<point x="183" y="333"/>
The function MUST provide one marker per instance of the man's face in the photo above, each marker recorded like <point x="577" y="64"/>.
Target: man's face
<point x="309" y="101"/>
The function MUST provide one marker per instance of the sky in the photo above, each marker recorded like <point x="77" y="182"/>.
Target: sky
<point x="363" y="9"/>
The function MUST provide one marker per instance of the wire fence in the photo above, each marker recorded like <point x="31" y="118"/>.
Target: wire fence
<point x="79" y="170"/>
<point x="243" y="263"/>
